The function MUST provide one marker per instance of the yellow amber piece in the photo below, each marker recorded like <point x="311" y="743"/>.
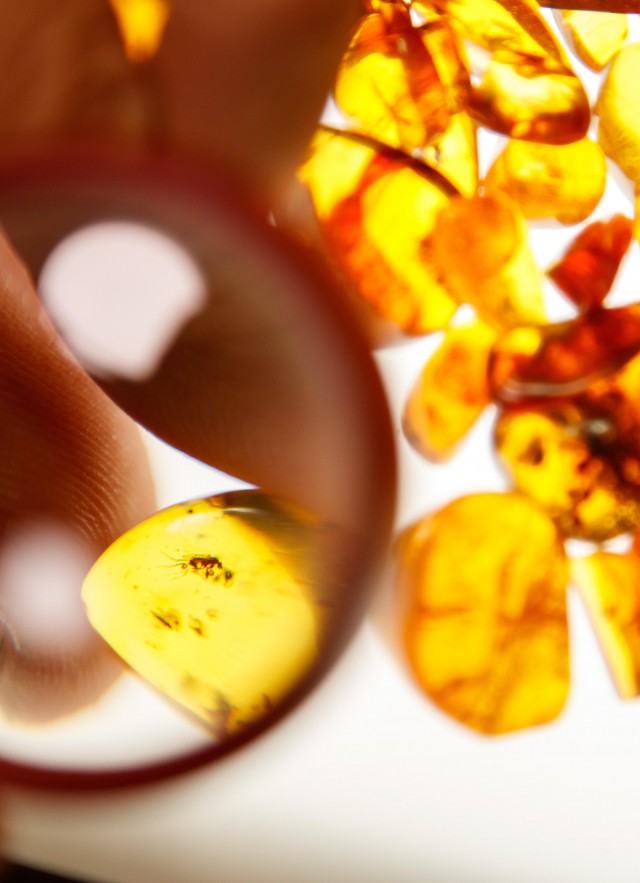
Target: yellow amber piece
<point x="618" y="108"/>
<point x="451" y="392"/>
<point x="376" y="211"/>
<point x="142" y="24"/>
<point x="480" y="247"/>
<point x="484" y="584"/>
<point x="594" y="36"/>
<point x="610" y="588"/>
<point x="455" y="154"/>
<point x="219" y="603"/>
<point x="561" y="181"/>
<point x="522" y="84"/>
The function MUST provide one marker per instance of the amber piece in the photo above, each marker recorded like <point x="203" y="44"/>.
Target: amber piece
<point x="594" y="36"/>
<point x="619" y="6"/>
<point x="561" y="181"/>
<point x="480" y="247"/>
<point x="529" y="364"/>
<point x="618" y="108"/>
<point x="484" y="584"/>
<point x="610" y="588"/>
<point x="522" y="85"/>
<point x="587" y="269"/>
<point x="376" y="210"/>
<point x="141" y="24"/>
<point x="455" y="154"/>
<point x="450" y="393"/>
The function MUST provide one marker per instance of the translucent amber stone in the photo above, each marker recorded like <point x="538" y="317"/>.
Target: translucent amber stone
<point x="587" y="269"/>
<point x="610" y="587"/>
<point x="484" y="584"/>
<point x="594" y="36"/>
<point x="222" y="604"/>
<point x="142" y="24"/>
<point x="529" y="364"/>
<point x="561" y="181"/>
<point x="480" y="247"/>
<point x="376" y="211"/>
<point x="618" y="108"/>
<point x="455" y="154"/>
<point x="522" y="84"/>
<point x="451" y="392"/>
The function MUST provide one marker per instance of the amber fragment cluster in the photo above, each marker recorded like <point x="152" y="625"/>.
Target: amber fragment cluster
<point x="418" y="223"/>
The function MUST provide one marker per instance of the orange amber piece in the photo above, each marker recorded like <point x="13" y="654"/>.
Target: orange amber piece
<point x="561" y="181"/>
<point x="588" y="267"/>
<point x="484" y="584"/>
<point x="594" y="36"/>
<point x="534" y="363"/>
<point x="480" y="247"/>
<point x="522" y="85"/>
<point x="618" y="108"/>
<point x="376" y="210"/>
<point x="451" y="392"/>
<point x="610" y="588"/>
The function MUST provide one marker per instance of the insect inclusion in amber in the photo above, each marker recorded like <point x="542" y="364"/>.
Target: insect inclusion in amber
<point x="219" y="603"/>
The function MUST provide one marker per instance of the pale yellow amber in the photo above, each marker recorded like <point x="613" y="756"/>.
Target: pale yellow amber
<point x="484" y="586"/>
<point x="618" y="108"/>
<point x="561" y="181"/>
<point x="455" y="154"/>
<point x="610" y="587"/>
<point x="595" y="36"/>
<point x="218" y="603"/>
<point x="142" y="24"/>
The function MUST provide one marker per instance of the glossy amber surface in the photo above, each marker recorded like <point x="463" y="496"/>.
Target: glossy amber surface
<point x="610" y="587"/>
<point x="594" y="36"/>
<point x="450" y="393"/>
<point x="561" y="181"/>
<point x="484" y="585"/>
<point x="618" y="110"/>
<point x="220" y="603"/>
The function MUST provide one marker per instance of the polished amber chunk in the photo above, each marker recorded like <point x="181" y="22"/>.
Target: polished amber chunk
<point x="522" y="85"/>
<point x="455" y="154"/>
<point x="618" y="108"/>
<point x="561" y="181"/>
<point x="594" y="36"/>
<point x="451" y="392"/>
<point x="219" y="603"/>
<point x="610" y="587"/>
<point x="533" y="363"/>
<point x="587" y="269"/>
<point x="484" y="586"/>
<point x="480" y="247"/>
<point x="376" y="210"/>
<point x="142" y="24"/>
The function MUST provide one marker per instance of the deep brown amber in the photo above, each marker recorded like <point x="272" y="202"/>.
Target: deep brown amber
<point x="483" y="582"/>
<point x="450" y="393"/>
<point x="595" y="37"/>
<point x="535" y="363"/>
<point x="586" y="271"/>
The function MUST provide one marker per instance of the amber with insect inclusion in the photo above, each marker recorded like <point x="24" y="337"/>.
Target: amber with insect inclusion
<point x="223" y="604"/>
<point x="376" y="210"/>
<point x="451" y="392"/>
<point x="481" y="249"/>
<point x="586" y="271"/>
<point x="484" y="585"/>
<point x="561" y="181"/>
<point x="609" y="585"/>
<point x="535" y="363"/>
<point x="618" y="109"/>
<point x="594" y="36"/>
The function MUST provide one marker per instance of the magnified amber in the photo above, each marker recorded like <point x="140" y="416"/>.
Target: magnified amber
<point x="594" y="36"/>
<point x="484" y="581"/>
<point x="610" y="587"/>
<point x="142" y="24"/>
<point x="451" y="392"/>
<point x="376" y="210"/>
<point x="529" y="364"/>
<point x="455" y="154"/>
<point x="220" y="603"/>
<point x="562" y="181"/>
<point x="618" y="108"/>
<point x="588" y="267"/>
<point x="480" y="247"/>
